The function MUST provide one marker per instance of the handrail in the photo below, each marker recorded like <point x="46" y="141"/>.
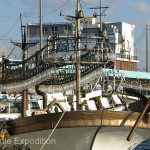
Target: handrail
<point x="127" y="57"/>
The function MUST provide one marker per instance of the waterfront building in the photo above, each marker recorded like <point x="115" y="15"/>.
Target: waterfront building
<point x="121" y="38"/>
<point x="120" y="35"/>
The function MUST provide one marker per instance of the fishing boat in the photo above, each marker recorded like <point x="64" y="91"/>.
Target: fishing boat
<point x="11" y="106"/>
<point x="80" y="129"/>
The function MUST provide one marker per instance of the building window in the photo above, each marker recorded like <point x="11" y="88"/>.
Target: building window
<point x="128" y="44"/>
<point x="132" y="34"/>
<point x="122" y="66"/>
<point x="131" y="67"/>
<point x="67" y="29"/>
<point x="45" y="31"/>
<point x="54" y="30"/>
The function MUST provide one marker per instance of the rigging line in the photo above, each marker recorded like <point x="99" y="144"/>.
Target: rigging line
<point x="81" y="8"/>
<point x="19" y="56"/>
<point x="107" y="17"/>
<point x="8" y="17"/>
<point x="88" y="3"/>
<point x="143" y="33"/>
<point x="74" y="4"/>
<point x="51" y="133"/>
<point x="85" y="7"/>
<point x="28" y="16"/>
<point x="138" y="40"/>
<point x="71" y="3"/>
<point x="10" y="28"/>
<point x="57" y="9"/>
<point x="139" y="35"/>
<point x="7" y="39"/>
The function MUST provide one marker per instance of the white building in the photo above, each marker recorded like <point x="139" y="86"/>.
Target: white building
<point x="120" y="34"/>
<point x="121" y="38"/>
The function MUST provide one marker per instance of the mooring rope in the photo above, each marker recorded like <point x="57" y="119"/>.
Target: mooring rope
<point x="52" y="130"/>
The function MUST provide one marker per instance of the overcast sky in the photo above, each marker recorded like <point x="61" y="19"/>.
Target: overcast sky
<point x="135" y="12"/>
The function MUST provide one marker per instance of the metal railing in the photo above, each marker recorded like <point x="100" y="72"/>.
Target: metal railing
<point x="127" y="57"/>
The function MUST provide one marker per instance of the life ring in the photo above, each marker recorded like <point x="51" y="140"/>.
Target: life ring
<point x="54" y="99"/>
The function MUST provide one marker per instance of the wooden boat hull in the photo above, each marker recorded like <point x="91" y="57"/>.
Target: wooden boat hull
<point x="83" y="138"/>
<point x="91" y="130"/>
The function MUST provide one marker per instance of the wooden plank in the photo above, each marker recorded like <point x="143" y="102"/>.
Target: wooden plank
<point x="75" y="119"/>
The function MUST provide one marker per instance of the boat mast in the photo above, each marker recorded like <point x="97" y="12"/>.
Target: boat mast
<point x="78" y="86"/>
<point x="41" y="31"/>
<point x="24" y="46"/>
<point x="24" y="92"/>
<point x="77" y="20"/>
<point x="146" y="48"/>
<point x="100" y="16"/>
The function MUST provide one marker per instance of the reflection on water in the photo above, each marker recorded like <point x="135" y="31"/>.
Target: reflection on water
<point x="143" y="146"/>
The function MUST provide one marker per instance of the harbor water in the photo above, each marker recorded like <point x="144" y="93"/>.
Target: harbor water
<point x="143" y="146"/>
